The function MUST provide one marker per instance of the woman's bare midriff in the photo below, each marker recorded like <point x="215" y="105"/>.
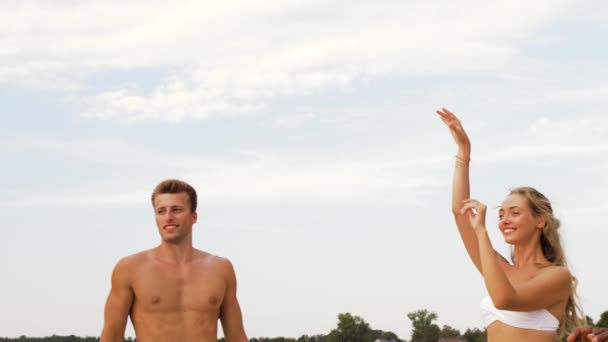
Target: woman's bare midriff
<point x="500" y="332"/>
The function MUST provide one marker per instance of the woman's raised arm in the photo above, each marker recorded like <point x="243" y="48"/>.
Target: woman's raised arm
<point x="460" y="184"/>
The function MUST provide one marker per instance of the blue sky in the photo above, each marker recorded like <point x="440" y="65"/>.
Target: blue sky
<point x="308" y="129"/>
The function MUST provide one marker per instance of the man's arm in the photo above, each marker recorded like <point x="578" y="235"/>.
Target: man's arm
<point x="589" y="334"/>
<point x="118" y="304"/>
<point x="230" y="312"/>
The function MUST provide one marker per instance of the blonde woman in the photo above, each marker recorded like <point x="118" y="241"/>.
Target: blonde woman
<point x="532" y="297"/>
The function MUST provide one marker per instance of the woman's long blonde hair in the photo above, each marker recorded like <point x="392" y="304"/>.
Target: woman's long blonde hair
<point x="553" y="251"/>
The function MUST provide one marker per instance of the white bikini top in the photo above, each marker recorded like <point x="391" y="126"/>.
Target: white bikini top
<point x="536" y="320"/>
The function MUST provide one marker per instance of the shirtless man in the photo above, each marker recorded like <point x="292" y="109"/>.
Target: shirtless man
<point x="173" y="292"/>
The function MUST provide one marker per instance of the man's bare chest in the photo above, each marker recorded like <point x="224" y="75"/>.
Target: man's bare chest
<point x="167" y="288"/>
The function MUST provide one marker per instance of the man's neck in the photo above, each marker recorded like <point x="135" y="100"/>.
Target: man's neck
<point x="176" y="252"/>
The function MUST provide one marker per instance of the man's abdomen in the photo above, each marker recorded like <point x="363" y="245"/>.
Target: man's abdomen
<point x="175" y="326"/>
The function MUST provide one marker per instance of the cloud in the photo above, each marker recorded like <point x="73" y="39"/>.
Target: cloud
<point x="376" y="176"/>
<point x="551" y="138"/>
<point x="292" y="121"/>
<point x="580" y="94"/>
<point x="233" y="58"/>
<point x="253" y="176"/>
<point x="173" y="102"/>
<point x="591" y="209"/>
<point x="76" y="199"/>
<point x="102" y="150"/>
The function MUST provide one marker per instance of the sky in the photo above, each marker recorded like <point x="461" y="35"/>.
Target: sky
<point x="309" y="130"/>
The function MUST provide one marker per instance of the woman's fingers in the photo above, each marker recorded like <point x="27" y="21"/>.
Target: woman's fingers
<point x="467" y="208"/>
<point x="445" y="121"/>
<point x="450" y="120"/>
<point x="447" y="114"/>
<point x="453" y="124"/>
<point x="446" y="110"/>
<point x="470" y="204"/>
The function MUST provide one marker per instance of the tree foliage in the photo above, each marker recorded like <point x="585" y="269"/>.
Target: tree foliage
<point x="475" y="335"/>
<point x="350" y="329"/>
<point x="603" y="321"/>
<point x="53" y="338"/>
<point x="449" y="332"/>
<point x="423" y="328"/>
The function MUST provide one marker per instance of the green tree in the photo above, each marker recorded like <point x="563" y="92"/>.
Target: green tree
<point x="350" y="329"/>
<point x="475" y="335"/>
<point x="385" y="335"/>
<point x="314" y="338"/>
<point x="449" y="332"/>
<point x="603" y="322"/>
<point x="423" y="328"/>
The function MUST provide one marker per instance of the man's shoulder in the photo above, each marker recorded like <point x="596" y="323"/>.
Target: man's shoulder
<point x="134" y="260"/>
<point x="214" y="260"/>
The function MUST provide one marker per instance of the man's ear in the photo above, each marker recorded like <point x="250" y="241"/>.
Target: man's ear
<point x="194" y="217"/>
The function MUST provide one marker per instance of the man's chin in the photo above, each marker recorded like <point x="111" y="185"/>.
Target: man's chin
<point x="172" y="239"/>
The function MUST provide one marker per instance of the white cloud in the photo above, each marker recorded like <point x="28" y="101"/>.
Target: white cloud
<point x="591" y="209"/>
<point x="551" y="138"/>
<point x="581" y="94"/>
<point x="76" y="199"/>
<point x="231" y="58"/>
<point x="108" y="151"/>
<point x="255" y="176"/>
<point x="292" y="121"/>
<point x="530" y="151"/>
<point x="268" y="178"/>
<point x="375" y="176"/>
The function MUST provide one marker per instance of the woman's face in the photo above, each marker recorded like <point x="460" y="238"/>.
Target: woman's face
<point x="516" y="221"/>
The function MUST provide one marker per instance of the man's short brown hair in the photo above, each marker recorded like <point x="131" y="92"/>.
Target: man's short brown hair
<point x="174" y="186"/>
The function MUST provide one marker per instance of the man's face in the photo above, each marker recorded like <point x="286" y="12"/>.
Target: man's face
<point x="174" y="217"/>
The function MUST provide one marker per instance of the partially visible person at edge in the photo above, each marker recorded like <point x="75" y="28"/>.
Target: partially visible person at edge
<point x="531" y="298"/>
<point x="589" y="334"/>
<point x="173" y="292"/>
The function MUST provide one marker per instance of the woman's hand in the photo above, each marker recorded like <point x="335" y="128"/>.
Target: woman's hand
<point x="460" y="136"/>
<point x="476" y="211"/>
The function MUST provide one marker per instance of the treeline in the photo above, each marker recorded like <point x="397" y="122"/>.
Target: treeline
<point x="57" y="338"/>
<point x="350" y="328"/>
<point x="54" y="338"/>
<point x="424" y="329"/>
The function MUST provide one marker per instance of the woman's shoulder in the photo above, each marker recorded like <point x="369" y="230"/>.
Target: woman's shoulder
<point x="556" y="273"/>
